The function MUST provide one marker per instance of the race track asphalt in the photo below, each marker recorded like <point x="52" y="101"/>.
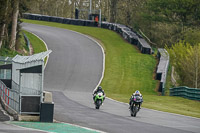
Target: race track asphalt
<point x="74" y="69"/>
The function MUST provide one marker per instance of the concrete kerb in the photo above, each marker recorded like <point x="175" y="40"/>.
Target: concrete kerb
<point x="35" y="118"/>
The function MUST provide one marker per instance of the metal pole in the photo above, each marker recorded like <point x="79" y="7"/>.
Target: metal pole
<point x="99" y="17"/>
<point x="5" y="76"/>
<point x="90" y="6"/>
<point x="42" y="82"/>
<point x="20" y="89"/>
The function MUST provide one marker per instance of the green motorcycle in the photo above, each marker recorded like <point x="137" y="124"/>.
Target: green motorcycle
<point x="98" y="100"/>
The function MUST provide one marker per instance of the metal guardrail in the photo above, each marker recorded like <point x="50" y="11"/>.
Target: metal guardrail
<point x="27" y="41"/>
<point x="9" y="96"/>
<point x="5" y="59"/>
<point x="186" y="92"/>
<point x="162" y="68"/>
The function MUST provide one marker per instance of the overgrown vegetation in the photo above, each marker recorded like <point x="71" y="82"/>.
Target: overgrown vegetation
<point x="7" y="52"/>
<point x="186" y="60"/>
<point x="20" y="45"/>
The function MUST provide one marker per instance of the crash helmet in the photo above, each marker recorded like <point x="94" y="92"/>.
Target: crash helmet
<point x="99" y="88"/>
<point x="137" y="92"/>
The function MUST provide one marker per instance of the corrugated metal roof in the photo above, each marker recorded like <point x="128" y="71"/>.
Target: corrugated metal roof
<point x="35" y="57"/>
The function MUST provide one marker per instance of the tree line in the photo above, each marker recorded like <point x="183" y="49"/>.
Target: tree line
<point x="167" y="23"/>
<point x="10" y="10"/>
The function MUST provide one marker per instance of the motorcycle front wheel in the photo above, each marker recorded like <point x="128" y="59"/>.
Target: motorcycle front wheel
<point x="98" y="103"/>
<point x="134" y="110"/>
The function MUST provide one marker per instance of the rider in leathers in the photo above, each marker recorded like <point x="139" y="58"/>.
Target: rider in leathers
<point x="99" y="89"/>
<point x="136" y="93"/>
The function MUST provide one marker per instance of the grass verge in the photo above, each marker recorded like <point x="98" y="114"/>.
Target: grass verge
<point x="37" y="44"/>
<point x="128" y="70"/>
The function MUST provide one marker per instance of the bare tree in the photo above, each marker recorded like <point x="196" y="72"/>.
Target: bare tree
<point x="113" y="10"/>
<point x="3" y="21"/>
<point x="14" y="24"/>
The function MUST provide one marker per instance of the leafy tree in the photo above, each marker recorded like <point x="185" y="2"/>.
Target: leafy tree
<point x="175" y="11"/>
<point x="192" y="36"/>
<point x="173" y="16"/>
<point x="186" y="60"/>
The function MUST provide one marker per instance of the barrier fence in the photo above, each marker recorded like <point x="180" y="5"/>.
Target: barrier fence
<point x="186" y="92"/>
<point x="126" y="32"/>
<point x="9" y="96"/>
<point x="162" y="68"/>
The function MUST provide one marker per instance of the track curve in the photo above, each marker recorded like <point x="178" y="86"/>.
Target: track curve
<point x="74" y="69"/>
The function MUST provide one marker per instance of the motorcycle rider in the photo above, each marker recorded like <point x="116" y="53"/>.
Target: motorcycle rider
<point x="136" y="93"/>
<point x="99" y="89"/>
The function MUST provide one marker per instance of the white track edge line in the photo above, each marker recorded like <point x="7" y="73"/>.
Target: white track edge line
<point x="102" y="50"/>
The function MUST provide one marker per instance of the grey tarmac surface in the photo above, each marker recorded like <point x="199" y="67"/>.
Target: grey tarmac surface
<point x="74" y="69"/>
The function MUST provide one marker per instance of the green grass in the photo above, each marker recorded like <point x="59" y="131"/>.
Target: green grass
<point x="169" y="83"/>
<point x="37" y="44"/>
<point x="128" y="70"/>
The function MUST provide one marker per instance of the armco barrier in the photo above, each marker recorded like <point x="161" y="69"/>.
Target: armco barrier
<point x="186" y="92"/>
<point x="126" y="32"/>
<point x="27" y="41"/>
<point x="162" y="68"/>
